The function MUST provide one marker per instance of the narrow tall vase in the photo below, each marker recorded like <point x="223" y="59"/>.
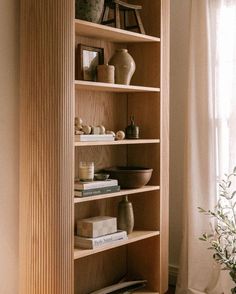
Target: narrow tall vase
<point x="125" y="219"/>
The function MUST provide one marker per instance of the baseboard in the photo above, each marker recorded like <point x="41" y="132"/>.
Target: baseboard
<point x="173" y="274"/>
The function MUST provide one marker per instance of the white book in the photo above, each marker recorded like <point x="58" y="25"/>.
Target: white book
<point x="79" y="185"/>
<point x="93" y="138"/>
<point x="91" y="243"/>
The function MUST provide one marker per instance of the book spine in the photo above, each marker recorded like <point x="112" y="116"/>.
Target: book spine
<point x="94" y="185"/>
<point x="99" y="191"/>
<point x="100" y="241"/>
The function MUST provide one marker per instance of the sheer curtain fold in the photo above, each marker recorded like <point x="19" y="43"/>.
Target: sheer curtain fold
<point x="209" y="143"/>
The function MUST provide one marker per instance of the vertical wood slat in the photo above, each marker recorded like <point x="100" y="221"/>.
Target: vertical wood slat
<point x="164" y="175"/>
<point x="46" y="147"/>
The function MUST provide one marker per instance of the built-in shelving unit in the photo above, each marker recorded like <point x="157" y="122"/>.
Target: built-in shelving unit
<point x="145" y="253"/>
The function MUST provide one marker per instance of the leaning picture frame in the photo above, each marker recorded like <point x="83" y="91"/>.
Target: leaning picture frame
<point x="88" y="58"/>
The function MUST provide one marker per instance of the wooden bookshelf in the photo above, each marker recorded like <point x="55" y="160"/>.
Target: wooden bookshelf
<point x="133" y="237"/>
<point x="145" y="253"/>
<point x="49" y="157"/>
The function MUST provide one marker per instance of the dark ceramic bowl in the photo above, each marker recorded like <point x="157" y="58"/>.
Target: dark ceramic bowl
<point x="130" y="177"/>
<point x="101" y="177"/>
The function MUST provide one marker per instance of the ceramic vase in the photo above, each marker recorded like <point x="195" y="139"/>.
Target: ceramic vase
<point x="90" y="10"/>
<point x="125" y="220"/>
<point x="106" y="73"/>
<point x="124" y="66"/>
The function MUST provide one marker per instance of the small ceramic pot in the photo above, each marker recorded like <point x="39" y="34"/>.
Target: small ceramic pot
<point x="124" y="66"/>
<point x="106" y="73"/>
<point x="90" y="10"/>
<point x="125" y="220"/>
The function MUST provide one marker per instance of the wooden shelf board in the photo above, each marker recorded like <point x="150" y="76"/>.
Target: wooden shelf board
<point x="117" y="194"/>
<point x="123" y="142"/>
<point x="98" y="31"/>
<point x="133" y="237"/>
<point x="105" y="87"/>
<point x="145" y="292"/>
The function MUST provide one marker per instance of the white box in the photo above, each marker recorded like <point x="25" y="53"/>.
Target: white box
<point x="96" y="226"/>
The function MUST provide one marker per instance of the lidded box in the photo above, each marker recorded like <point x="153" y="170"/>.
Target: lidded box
<point x="96" y="226"/>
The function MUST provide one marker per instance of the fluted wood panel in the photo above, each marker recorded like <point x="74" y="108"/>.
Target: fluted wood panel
<point x="46" y="154"/>
<point x="164" y="175"/>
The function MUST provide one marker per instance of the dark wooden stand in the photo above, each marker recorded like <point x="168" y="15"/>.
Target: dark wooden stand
<point x="117" y="6"/>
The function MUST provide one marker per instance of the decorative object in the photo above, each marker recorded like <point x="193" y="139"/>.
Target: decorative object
<point x="116" y="6"/>
<point x="106" y="73"/>
<point x="86" y="171"/>
<point x="111" y="133"/>
<point x="124" y="66"/>
<point x="132" y="131"/>
<point x="102" y="130"/>
<point x="90" y="10"/>
<point x="86" y="129"/>
<point x="223" y="238"/>
<point x="125" y="220"/>
<point x="130" y="177"/>
<point x="88" y="58"/>
<point x="96" y="226"/>
<point x="101" y="176"/>
<point x="120" y="135"/>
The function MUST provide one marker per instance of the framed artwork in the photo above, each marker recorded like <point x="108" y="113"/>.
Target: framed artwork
<point x="88" y="60"/>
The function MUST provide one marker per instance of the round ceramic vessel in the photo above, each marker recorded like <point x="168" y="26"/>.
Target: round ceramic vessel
<point x="90" y="10"/>
<point x="124" y="66"/>
<point x="130" y="177"/>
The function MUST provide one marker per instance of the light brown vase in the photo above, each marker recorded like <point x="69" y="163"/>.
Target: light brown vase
<point x="124" y="66"/>
<point x="125" y="220"/>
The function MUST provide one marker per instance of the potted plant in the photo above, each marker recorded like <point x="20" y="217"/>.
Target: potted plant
<point x="223" y="238"/>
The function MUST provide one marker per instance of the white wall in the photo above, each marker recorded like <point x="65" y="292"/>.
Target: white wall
<point x="180" y="13"/>
<point x="9" y="145"/>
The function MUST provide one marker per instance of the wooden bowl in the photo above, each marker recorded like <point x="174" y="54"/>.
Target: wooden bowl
<point x="130" y="177"/>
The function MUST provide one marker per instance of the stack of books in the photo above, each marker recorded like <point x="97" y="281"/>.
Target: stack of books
<point x="83" y="189"/>
<point x="97" y="231"/>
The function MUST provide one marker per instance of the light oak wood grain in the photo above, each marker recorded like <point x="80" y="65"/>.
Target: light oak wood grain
<point x="46" y="147"/>
<point x="99" y="270"/>
<point x="105" y="87"/>
<point x="121" y="142"/>
<point x="118" y="194"/>
<point x="133" y="237"/>
<point x="89" y="29"/>
<point x="164" y="164"/>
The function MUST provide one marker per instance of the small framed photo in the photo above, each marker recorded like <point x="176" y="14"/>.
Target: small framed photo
<point x="88" y="60"/>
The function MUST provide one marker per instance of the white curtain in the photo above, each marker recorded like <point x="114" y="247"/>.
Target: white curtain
<point x="210" y="145"/>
